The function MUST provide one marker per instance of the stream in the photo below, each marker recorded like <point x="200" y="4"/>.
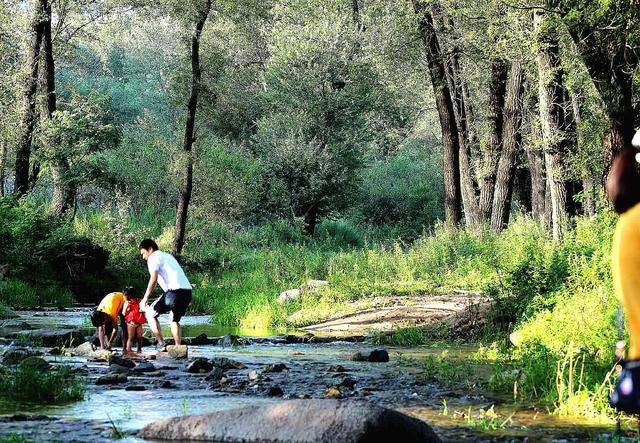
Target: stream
<point x="458" y="411"/>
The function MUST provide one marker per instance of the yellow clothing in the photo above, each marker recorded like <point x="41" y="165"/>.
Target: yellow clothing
<point x="111" y="305"/>
<point x="626" y="273"/>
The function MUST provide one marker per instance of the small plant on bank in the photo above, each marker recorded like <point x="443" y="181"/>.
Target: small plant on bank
<point x="31" y="384"/>
<point x="411" y="336"/>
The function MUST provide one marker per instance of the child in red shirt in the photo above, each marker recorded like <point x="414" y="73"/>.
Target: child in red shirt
<point x="134" y="318"/>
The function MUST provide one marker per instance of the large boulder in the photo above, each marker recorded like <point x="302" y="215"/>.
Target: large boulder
<point x="318" y="421"/>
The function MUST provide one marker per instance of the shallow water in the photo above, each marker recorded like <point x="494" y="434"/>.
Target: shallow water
<point x="192" y="325"/>
<point x="458" y="412"/>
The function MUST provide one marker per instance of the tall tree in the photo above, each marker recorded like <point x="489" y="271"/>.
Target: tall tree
<point x="189" y="132"/>
<point x="510" y="141"/>
<point x="552" y="119"/>
<point x="442" y="93"/>
<point x="29" y="116"/>
<point x="63" y="191"/>
<point x="491" y="152"/>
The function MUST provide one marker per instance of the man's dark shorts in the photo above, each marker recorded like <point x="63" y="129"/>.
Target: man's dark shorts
<point x="175" y="301"/>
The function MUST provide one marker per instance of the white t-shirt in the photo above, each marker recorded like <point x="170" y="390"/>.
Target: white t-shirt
<point x="170" y="274"/>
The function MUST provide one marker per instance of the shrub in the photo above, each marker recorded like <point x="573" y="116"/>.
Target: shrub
<point x="339" y="233"/>
<point x="55" y="385"/>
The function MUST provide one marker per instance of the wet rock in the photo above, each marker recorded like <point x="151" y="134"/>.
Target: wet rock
<point x="233" y="340"/>
<point x="278" y="367"/>
<point x="34" y="363"/>
<point x="199" y="365"/>
<point x="227" y="363"/>
<point x="348" y="382"/>
<point x="308" y="337"/>
<point x="85" y="349"/>
<point x="275" y="391"/>
<point x="117" y="369"/>
<point x="116" y="359"/>
<point x="13" y="356"/>
<point x="54" y="337"/>
<point x="253" y="375"/>
<point x="337" y="368"/>
<point x="200" y="340"/>
<point x="165" y="384"/>
<point x="178" y="352"/>
<point x="319" y="421"/>
<point x="333" y="392"/>
<point x="135" y="388"/>
<point x="144" y="366"/>
<point x="379" y="356"/>
<point x="111" y="379"/>
<point x="375" y="356"/>
<point x="215" y="375"/>
<point x="293" y="339"/>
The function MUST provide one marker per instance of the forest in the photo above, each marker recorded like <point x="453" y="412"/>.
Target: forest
<point x="393" y="150"/>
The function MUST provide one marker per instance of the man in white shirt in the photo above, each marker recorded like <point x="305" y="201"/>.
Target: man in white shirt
<point x="165" y="271"/>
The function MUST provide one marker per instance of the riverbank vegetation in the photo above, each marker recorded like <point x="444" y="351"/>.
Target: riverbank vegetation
<point x="391" y="149"/>
<point x="33" y="384"/>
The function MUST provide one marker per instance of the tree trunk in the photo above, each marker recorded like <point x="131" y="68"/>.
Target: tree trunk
<point x="63" y="190"/>
<point x="552" y="119"/>
<point x="463" y="124"/>
<point x="505" y="176"/>
<point x="450" y="141"/>
<point x="588" y="201"/>
<point x="491" y="153"/>
<point x="457" y="88"/>
<point x="535" y="160"/>
<point x="355" y="8"/>
<point x="187" y="183"/>
<point x="29" y="117"/>
<point x="311" y="219"/>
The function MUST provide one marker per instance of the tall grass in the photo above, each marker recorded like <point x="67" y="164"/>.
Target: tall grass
<point x="33" y="384"/>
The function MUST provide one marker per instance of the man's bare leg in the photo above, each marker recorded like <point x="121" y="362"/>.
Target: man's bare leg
<point x="176" y="331"/>
<point x="154" y="324"/>
<point x="102" y="337"/>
